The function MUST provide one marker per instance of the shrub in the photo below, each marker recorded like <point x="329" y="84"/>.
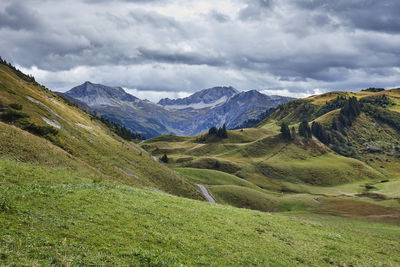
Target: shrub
<point x="164" y="158"/>
<point x="11" y="116"/>
<point x="15" y="106"/>
<point x="42" y="131"/>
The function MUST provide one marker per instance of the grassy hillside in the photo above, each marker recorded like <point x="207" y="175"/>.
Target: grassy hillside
<point x="212" y="177"/>
<point x="58" y="217"/>
<point x="265" y="159"/>
<point x="375" y="131"/>
<point x="73" y="192"/>
<point x="41" y="128"/>
<point x="353" y="163"/>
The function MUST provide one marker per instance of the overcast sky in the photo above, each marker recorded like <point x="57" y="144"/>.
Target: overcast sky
<point x="159" y="48"/>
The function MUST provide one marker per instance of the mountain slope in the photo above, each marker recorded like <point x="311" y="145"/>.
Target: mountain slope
<point x="116" y="105"/>
<point x="187" y="116"/>
<point x="371" y="134"/>
<point x="73" y="139"/>
<point x="66" y="198"/>
<point x="353" y="152"/>
<point x="238" y="109"/>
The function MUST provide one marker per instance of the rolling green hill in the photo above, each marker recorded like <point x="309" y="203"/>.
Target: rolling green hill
<point x="358" y="156"/>
<point x="73" y="192"/>
<point x="41" y="128"/>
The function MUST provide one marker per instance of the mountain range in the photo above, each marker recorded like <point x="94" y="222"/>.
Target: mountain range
<point x="184" y="116"/>
<point x="75" y="191"/>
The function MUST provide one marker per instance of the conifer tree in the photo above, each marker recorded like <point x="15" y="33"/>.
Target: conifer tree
<point x="213" y="131"/>
<point x="164" y="158"/>
<point x="285" y="132"/>
<point x="304" y="130"/>
<point x="224" y="131"/>
<point x="293" y="133"/>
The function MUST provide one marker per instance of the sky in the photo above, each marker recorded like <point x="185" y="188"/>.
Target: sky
<point x="159" y="48"/>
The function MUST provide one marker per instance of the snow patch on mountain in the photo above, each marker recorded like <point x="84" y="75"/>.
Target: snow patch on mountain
<point x="199" y="105"/>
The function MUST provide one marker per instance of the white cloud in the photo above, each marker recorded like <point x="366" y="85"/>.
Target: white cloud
<point x="162" y="48"/>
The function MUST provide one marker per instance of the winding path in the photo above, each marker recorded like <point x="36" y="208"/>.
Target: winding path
<point x="205" y="193"/>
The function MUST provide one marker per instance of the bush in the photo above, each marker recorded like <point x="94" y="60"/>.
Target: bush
<point x="15" y="106"/>
<point x="11" y="116"/>
<point x="164" y="158"/>
<point x="42" y="131"/>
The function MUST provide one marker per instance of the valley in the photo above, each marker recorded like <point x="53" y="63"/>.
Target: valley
<point x="258" y="169"/>
<point x="76" y="189"/>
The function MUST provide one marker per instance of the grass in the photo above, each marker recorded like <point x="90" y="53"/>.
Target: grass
<point x="212" y="177"/>
<point x="82" y="143"/>
<point x="390" y="189"/>
<point x="244" y="197"/>
<point x="358" y="209"/>
<point x="326" y="170"/>
<point x="61" y="218"/>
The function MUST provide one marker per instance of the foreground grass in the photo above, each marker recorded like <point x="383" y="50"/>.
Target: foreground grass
<point x="56" y="217"/>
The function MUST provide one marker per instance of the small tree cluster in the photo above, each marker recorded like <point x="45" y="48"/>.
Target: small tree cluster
<point x="349" y="112"/>
<point x="285" y="132"/>
<point x="253" y="122"/>
<point x="120" y="130"/>
<point x="320" y="133"/>
<point x="336" y="103"/>
<point x="11" y="113"/>
<point x="380" y="100"/>
<point x="374" y="89"/>
<point x="43" y="131"/>
<point x="305" y="130"/>
<point x="219" y="132"/>
<point x="10" y="116"/>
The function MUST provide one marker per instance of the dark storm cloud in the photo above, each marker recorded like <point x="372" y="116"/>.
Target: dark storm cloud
<point x="18" y="17"/>
<point x="155" y="20"/>
<point x="185" y="58"/>
<point x="363" y="14"/>
<point x="128" y="1"/>
<point x="161" y="45"/>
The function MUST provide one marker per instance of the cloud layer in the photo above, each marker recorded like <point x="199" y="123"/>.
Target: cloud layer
<point x="171" y="48"/>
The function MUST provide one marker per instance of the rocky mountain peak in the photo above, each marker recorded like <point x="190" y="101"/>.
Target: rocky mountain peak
<point x="206" y="98"/>
<point x="98" y="94"/>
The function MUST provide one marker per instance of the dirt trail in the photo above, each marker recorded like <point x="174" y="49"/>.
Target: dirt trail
<point x="205" y="193"/>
